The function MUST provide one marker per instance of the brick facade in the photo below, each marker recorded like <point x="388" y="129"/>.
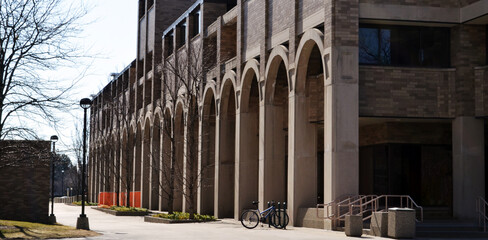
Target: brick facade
<point x="310" y="99"/>
<point x="24" y="180"/>
<point x="406" y="92"/>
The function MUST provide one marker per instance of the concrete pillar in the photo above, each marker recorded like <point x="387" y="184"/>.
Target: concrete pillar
<point x="199" y="175"/>
<point x="302" y="172"/>
<point x="145" y="166"/>
<point x="184" y="204"/>
<point x="468" y="165"/>
<point x="262" y="145"/>
<point x="247" y="161"/>
<point x="341" y="126"/>
<point x="217" y="160"/>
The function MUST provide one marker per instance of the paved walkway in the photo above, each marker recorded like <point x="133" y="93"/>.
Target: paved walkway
<point x="113" y="227"/>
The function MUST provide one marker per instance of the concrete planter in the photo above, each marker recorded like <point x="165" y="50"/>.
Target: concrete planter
<point x="165" y="220"/>
<point x="354" y="225"/>
<point x="379" y="224"/>
<point x="117" y="213"/>
<point x="401" y="223"/>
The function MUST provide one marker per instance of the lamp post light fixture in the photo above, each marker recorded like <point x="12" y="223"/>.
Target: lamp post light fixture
<point x="82" y="222"/>
<point x="52" y="218"/>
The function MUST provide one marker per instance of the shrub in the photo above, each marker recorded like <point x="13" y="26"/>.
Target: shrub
<point x="185" y="216"/>
<point x="127" y="209"/>
<point x="86" y="203"/>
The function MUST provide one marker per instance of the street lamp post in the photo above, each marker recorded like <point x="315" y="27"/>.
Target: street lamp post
<point x="82" y="222"/>
<point x="62" y="182"/>
<point x="52" y="218"/>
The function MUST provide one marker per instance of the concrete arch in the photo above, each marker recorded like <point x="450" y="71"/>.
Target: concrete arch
<point x="158" y="113"/>
<point x="229" y="80"/>
<point x="312" y="37"/>
<point x="148" y="116"/>
<point x="210" y="86"/>
<point x="225" y="171"/>
<point x="207" y="161"/>
<point x="278" y="56"/>
<point x="251" y="69"/>
<point x="146" y="156"/>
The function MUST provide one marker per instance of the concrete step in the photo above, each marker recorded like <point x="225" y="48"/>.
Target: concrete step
<point x="307" y="217"/>
<point x="450" y="229"/>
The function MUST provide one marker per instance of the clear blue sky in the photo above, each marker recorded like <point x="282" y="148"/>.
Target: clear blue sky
<point x="110" y="36"/>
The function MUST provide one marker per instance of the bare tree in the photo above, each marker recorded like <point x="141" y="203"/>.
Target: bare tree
<point x="184" y="80"/>
<point x="34" y="38"/>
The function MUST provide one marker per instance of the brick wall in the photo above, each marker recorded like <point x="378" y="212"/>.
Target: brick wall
<point x="24" y="180"/>
<point x="430" y="3"/>
<point x="278" y="14"/>
<point x="308" y="7"/>
<point x="406" y="92"/>
<point x="467" y="51"/>
<point x="253" y="21"/>
<point x="405" y="132"/>
<point x="481" y="91"/>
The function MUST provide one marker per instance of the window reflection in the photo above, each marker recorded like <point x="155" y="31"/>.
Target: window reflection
<point x="404" y="46"/>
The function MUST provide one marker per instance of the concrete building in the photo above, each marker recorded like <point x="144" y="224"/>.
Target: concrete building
<point x="303" y="101"/>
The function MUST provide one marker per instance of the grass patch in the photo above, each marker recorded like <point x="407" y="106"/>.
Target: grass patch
<point x="27" y="230"/>
<point x="78" y="203"/>
<point x="185" y="216"/>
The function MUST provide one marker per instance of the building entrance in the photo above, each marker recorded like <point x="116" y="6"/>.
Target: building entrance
<point x="410" y="160"/>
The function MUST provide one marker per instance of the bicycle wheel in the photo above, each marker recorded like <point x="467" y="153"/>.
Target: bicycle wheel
<point x="280" y="220"/>
<point x="249" y="219"/>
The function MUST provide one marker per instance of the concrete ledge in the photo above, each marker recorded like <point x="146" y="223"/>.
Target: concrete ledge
<point x="168" y="221"/>
<point x="117" y="213"/>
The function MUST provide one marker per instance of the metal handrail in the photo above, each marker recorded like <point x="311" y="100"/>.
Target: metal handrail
<point x="409" y="202"/>
<point x="330" y="214"/>
<point x="359" y="200"/>
<point x="481" y="204"/>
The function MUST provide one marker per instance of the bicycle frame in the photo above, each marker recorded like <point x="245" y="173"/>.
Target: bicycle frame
<point x="267" y="210"/>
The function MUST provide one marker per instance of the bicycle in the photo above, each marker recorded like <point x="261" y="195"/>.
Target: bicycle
<point x="250" y="218"/>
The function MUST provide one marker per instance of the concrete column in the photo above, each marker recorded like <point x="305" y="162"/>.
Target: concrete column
<point x="145" y="166"/>
<point x="302" y="161"/>
<point x="185" y="163"/>
<point x="247" y="155"/>
<point x="217" y="160"/>
<point x="262" y="145"/>
<point x="468" y="165"/>
<point x="199" y="168"/>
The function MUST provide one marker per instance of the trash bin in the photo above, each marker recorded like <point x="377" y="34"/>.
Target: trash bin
<point x="401" y="223"/>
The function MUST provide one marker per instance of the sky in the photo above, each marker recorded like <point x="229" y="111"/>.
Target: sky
<point x="109" y="38"/>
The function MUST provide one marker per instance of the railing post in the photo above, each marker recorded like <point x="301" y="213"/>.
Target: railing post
<point x="279" y="214"/>
<point x="284" y="211"/>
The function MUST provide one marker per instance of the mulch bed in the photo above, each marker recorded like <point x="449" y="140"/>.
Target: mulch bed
<point x="166" y="220"/>
<point x="118" y="213"/>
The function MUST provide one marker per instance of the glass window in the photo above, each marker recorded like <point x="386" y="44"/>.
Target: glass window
<point x="182" y="34"/>
<point x="196" y="23"/>
<point x="404" y="46"/>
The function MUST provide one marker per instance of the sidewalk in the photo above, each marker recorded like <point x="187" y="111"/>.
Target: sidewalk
<point x="113" y="227"/>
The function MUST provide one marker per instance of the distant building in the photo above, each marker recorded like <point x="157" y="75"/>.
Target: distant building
<point x="308" y="102"/>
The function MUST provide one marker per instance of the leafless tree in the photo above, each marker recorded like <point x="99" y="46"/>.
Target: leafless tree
<point x="115" y="164"/>
<point x="34" y="39"/>
<point x="183" y="78"/>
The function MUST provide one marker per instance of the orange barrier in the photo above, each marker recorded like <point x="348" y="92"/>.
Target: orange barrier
<point x="110" y="199"/>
